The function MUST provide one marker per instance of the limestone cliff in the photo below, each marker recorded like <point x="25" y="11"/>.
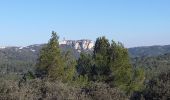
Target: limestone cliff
<point x="79" y="44"/>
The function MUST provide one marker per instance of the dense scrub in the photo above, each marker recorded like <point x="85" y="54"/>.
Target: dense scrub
<point x="157" y="88"/>
<point x="37" y="89"/>
<point x="153" y="66"/>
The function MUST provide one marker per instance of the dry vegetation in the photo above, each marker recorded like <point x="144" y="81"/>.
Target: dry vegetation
<point x="38" y="89"/>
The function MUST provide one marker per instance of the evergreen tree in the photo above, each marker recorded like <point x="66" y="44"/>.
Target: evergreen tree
<point x="110" y="63"/>
<point x="50" y="62"/>
<point x="120" y="64"/>
<point x="85" y="66"/>
<point x="69" y="67"/>
<point x="100" y="56"/>
<point x="125" y="76"/>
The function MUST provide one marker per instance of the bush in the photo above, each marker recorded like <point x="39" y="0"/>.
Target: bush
<point x="38" y="89"/>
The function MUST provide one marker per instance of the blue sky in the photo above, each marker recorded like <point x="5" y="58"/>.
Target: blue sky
<point x="133" y="22"/>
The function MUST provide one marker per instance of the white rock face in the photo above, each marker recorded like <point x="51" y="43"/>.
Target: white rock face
<point x="21" y="48"/>
<point x="79" y="44"/>
<point x="2" y="47"/>
<point x="33" y="50"/>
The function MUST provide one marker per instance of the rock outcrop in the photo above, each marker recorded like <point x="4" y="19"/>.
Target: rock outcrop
<point x="79" y="44"/>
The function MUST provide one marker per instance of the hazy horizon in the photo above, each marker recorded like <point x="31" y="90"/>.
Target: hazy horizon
<point x="134" y="23"/>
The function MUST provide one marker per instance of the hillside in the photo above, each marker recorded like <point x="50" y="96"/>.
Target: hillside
<point x="153" y="65"/>
<point x="21" y="59"/>
<point x="149" y="51"/>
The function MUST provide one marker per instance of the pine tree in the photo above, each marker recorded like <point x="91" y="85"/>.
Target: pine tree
<point x="120" y="64"/>
<point x="50" y="62"/>
<point x="100" y="56"/>
<point x="125" y="76"/>
<point x="110" y="63"/>
<point x="85" y="65"/>
<point x="69" y="67"/>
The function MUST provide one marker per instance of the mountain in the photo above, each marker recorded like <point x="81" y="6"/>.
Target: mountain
<point x="77" y="46"/>
<point x="18" y="59"/>
<point x="31" y="52"/>
<point x="22" y="59"/>
<point x="149" y="51"/>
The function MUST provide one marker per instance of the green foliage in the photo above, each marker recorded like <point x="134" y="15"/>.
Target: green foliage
<point x="120" y="65"/>
<point x="102" y="91"/>
<point x="29" y="75"/>
<point x="100" y="56"/>
<point x="153" y="66"/>
<point x="50" y="62"/>
<point x="85" y="65"/>
<point x="82" y="81"/>
<point x="110" y="63"/>
<point x="137" y="82"/>
<point x="157" y="88"/>
<point x="56" y="64"/>
<point x="69" y="67"/>
<point x="101" y="46"/>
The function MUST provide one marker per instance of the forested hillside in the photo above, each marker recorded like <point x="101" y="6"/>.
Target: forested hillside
<point x="149" y="51"/>
<point x="22" y="59"/>
<point x="19" y="60"/>
<point x="52" y="71"/>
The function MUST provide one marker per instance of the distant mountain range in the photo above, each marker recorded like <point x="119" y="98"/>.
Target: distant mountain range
<point x="31" y="52"/>
<point x="149" y="51"/>
<point x="22" y="59"/>
<point x="77" y="46"/>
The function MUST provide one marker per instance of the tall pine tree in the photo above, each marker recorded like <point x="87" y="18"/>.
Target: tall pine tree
<point x="50" y="63"/>
<point x="100" y="56"/>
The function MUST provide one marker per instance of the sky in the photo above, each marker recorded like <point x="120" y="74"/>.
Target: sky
<point x="132" y="22"/>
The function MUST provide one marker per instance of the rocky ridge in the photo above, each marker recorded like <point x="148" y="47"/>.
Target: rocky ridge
<point x="79" y="44"/>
